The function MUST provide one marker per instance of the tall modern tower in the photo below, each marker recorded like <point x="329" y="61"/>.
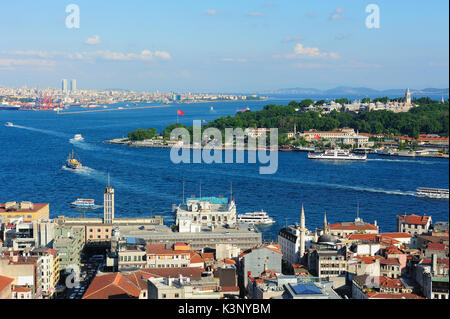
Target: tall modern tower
<point x="108" y="204"/>
<point x="73" y="85"/>
<point x="64" y="85"/>
<point x="408" y="97"/>
<point x="302" y="233"/>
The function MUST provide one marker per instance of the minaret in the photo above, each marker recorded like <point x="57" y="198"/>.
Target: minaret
<point x="108" y="204"/>
<point x="408" y="97"/>
<point x="302" y="233"/>
<point x="325" y="224"/>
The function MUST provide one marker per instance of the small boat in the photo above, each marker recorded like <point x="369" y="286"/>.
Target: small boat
<point x="83" y="203"/>
<point x="336" y="155"/>
<point x="255" y="218"/>
<point x="212" y="108"/>
<point x="72" y="162"/>
<point x="78" y="137"/>
<point x="439" y="193"/>
<point x="244" y="110"/>
<point x="9" y="124"/>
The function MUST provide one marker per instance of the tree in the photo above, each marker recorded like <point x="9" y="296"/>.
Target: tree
<point x="141" y="134"/>
<point x="306" y="103"/>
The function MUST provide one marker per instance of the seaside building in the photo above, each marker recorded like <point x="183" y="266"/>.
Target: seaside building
<point x="205" y="211"/>
<point x="346" y="136"/>
<point x="344" y="229"/>
<point x="413" y="224"/>
<point x="25" y="211"/>
<point x="108" y="204"/>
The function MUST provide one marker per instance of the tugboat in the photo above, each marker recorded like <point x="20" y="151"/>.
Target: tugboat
<point x="337" y="154"/>
<point x="72" y="162"/>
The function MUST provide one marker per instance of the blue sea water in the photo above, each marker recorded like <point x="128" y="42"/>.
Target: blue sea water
<point x="33" y="152"/>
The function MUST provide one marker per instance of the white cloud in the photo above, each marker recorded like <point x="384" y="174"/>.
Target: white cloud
<point x="144" y="55"/>
<point x="211" y="12"/>
<point x="291" y="39"/>
<point x="342" y="36"/>
<point x="256" y="14"/>
<point x="239" y="60"/>
<point x="337" y="14"/>
<point x="301" y="51"/>
<point x="95" y="39"/>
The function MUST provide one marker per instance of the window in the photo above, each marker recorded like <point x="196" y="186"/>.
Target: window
<point x="177" y="295"/>
<point x="90" y="230"/>
<point x="99" y="230"/>
<point x="164" y="295"/>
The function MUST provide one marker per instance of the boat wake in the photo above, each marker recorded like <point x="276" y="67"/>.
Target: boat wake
<point x="54" y="133"/>
<point x="402" y="161"/>
<point x="82" y="144"/>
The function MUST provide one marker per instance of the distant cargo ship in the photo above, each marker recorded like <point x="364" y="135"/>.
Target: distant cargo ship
<point x="73" y="163"/>
<point x="83" y="203"/>
<point x="337" y="155"/>
<point x="440" y="193"/>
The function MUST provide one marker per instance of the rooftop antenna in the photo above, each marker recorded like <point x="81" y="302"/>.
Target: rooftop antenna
<point x="108" y="179"/>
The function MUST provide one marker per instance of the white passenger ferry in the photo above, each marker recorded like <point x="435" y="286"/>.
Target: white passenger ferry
<point x="337" y="155"/>
<point x="83" y="203"/>
<point x="255" y="218"/>
<point x="440" y="193"/>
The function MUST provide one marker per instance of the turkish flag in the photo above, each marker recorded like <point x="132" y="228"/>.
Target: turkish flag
<point x="179" y="112"/>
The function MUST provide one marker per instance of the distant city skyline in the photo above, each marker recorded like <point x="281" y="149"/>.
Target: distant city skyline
<point x="214" y="46"/>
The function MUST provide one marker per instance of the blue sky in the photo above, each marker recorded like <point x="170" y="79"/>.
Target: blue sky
<point x="225" y="46"/>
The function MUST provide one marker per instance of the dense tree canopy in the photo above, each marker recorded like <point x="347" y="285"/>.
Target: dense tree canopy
<point x="142" y="134"/>
<point x="428" y="118"/>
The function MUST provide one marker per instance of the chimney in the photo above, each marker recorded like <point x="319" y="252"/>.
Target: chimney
<point x="434" y="268"/>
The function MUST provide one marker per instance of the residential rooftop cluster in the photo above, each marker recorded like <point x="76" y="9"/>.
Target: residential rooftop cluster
<point x="207" y="254"/>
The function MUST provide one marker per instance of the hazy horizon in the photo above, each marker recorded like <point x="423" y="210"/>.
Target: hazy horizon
<point x="216" y="46"/>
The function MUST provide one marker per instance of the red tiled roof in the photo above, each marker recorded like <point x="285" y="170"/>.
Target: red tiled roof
<point x="160" y="249"/>
<point x="5" y="281"/>
<point x="229" y="261"/>
<point x="389" y="261"/>
<point x="192" y="272"/>
<point x="110" y="285"/>
<point x="396" y="235"/>
<point x="209" y="256"/>
<point x="230" y="289"/>
<point x="352" y="226"/>
<point x="196" y="258"/>
<point x="21" y="289"/>
<point x="414" y="219"/>
<point x="437" y="246"/>
<point x="379" y="295"/>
